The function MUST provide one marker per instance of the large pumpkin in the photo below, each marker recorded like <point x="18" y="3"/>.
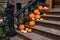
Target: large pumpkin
<point x="37" y="16"/>
<point x="31" y="15"/>
<point x="36" y="11"/>
<point x="21" y="27"/>
<point x="32" y="23"/>
<point x="29" y="30"/>
<point x="45" y="8"/>
<point x="40" y="8"/>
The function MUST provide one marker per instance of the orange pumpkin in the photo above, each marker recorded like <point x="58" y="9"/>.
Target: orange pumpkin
<point x="31" y="15"/>
<point x="32" y="23"/>
<point x="21" y="27"/>
<point x="37" y="16"/>
<point x="45" y="8"/>
<point x="36" y="11"/>
<point x="40" y="8"/>
<point x="29" y="30"/>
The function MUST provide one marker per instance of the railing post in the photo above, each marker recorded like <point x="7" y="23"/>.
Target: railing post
<point x="10" y="16"/>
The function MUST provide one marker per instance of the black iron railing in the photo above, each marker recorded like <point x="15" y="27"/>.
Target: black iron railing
<point x="37" y="2"/>
<point x="9" y="11"/>
<point x="26" y="7"/>
<point x="21" y="12"/>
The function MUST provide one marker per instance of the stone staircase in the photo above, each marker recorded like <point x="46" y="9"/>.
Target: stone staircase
<point x="47" y="29"/>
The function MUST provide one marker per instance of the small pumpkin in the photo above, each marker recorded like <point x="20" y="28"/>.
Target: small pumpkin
<point x="36" y="11"/>
<point x="45" y="8"/>
<point x="29" y="30"/>
<point x="21" y="27"/>
<point x="31" y="15"/>
<point x="40" y="8"/>
<point x="37" y="16"/>
<point x="32" y="23"/>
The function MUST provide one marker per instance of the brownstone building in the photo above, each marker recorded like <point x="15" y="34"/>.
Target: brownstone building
<point x="46" y="28"/>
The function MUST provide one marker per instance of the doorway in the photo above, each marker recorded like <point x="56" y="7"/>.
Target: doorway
<point x="55" y="3"/>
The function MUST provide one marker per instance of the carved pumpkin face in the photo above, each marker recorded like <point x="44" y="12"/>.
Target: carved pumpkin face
<point x="32" y="23"/>
<point x="36" y="11"/>
<point x="21" y="27"/>
<point x="45" y="8"/>
<point x="29" y="30"/>
<point x="37" y="16"/>
<point x="40" y="8"/>
<point x="31" y="15"/>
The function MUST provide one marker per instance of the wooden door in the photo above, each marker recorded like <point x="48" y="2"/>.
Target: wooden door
<point x="54" y="5"/>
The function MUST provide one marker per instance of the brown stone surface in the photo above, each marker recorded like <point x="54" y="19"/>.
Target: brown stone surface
<point x="46" y="29"/>
<point x="53" y="13"/>
<point x="50" y="22"/>
<point x="15" y="38"/>
<point x="34" y="36"/>
<point x="51" y="17"/>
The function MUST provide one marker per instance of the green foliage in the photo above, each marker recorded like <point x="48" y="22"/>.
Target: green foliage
<point x="1" y="6"/>
<point x="1" y="32"/>
<point x="25" y="1"/>
<point x="7" y="28"/>
<point x="3" y="14"/>
<point x="3" y="0"/>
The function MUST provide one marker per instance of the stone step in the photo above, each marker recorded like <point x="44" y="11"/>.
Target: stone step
<point x="50" y="24"/>
<point x="57" y="6"/>
<point x="51" y="17"/>
<point x="34" y="36"/>
<point x="46" y="29"/>
<point x="53" y="13"/>
<point x="16" y="38"/>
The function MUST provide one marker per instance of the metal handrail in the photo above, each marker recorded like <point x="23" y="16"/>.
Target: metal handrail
<point x="20" y="11"/>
